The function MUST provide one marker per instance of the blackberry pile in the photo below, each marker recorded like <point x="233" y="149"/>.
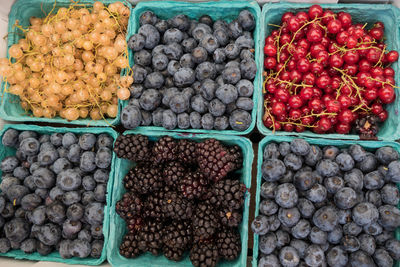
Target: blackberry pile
<point x="183" y="196"/>
<point x="327" y="206"/>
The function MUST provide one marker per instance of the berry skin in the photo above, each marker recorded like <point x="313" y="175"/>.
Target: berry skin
<point x="260" y="225"/>
<point x="273" y="169"/>
<point x="289" y="256"/>
<point x="286" y="195"/>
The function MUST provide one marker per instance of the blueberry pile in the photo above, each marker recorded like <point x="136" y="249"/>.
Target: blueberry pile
<point x="53" y="193"/>
<point x="192" y="74"/>
<point x="326" y="206"/>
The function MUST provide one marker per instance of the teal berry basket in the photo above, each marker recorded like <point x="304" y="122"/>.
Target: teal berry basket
<point x="23" y="10"/>
<point x="367" y="145"/>
<point x="55" y="256"/>
<point x="118" y="225"/>
<point x="226" y="10"/>
<point x="361" y="13"/>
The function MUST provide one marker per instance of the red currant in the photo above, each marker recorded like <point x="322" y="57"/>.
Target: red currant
<point x="314" y="35"/>
<point x="286" y="16"/>
<point x="324" y="124"/>
<point x="315" y="11"/>
<point x="392" y="56"/>
<point x="269" y="63"/>
<point x="351" y="57"/>
<point x="334" y="26"/>
<point x="333" y="106"/>
<point x="316" y="105"/>
<point x="323" y="81"/>
<point x="282" y="94"/>
<point x="345" y="18"/>
<point x="383" y="115"/>
<point x="336" y="61"/>
<point x="303" y="65"/>
<point x="388" y="72"/>
<point x="270" y="50"/>
<point x="278" y="108"/>
<point x="293" y="24"/>
<point x="376" y="108"/>
<point x="346" y="116"/>
<point x="306" y="93"/>
<point x="386" y="94"/>
<point x="371" y="94"/>
<point x="342" y="128"/>
<point x="376" y="33"/>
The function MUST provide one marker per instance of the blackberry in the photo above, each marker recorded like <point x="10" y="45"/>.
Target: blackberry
<point x="178" y="235"/>
<point x="133" y="147"/>
<point x="175" y="206"/>
<point x="153" y="205"/>
<point x="165" y="149"/>
<point x="193" y="185"/>
<point x="173" y="253"/>
<point x="134" y="224"/>
<point x="187" y="151"/>
<point x="205" y="222"/>
<point x="230" y="218"/>
<point x="214" y="159"/>
<point x="150" y="236"/>
<point x="367" y="127"/>
<point x="129" y="247"/>
<point x="129" y="205"/>
<point x="229" y="244"/>
<point x="229" y="194"/>
<point x="237" y="156"/>
<point x="173" y="173"/>
<point x="144" y="178"/>
<point x="204" y="254"/>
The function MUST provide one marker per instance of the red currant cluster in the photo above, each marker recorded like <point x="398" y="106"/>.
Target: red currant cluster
<point x="324" y="73"/>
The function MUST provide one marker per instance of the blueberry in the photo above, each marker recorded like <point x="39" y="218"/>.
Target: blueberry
<point x="60" y="165"/>
<point x="383" y="237"/>
<point x="286" y="195"/>
<point x="267" y="243"/>
<point x="189" y="44"/>
<point x="183" y="121"/>
<point x="245" y="42"/>
<point x="245" y="103"/>
<point x="248" y="68"/>
<point x="27" y="134"/>
<point x="10" y="138"/>
<point x="80" y="248"/>
<point x="260" y="225"/>
<point x="56" y="193"/>
<point x="104" y="140"/>
<point x="168" y="94"/>
<point x="354" y="179"/>
<point x="173" y="51"/>
<point x="390" y="194"/>
<point x="100" y="192"/>
<point x="42" y="192"/>
<point x="302" y="229"/>
<point x="200" y="31"/>
<point x="231" y="75"/>
<point x="289" y="257"/>
<point x="152" y="36"/>
<point x="216" y="107"/>
<point x="317" y="236"/>
<point x="97" y="248"/>
<point x="317" y="193"/>
<point x="43" y="249"/>
<point x="373" y="180"/>
<point x="38" y="215"/>
<point x="352" y="228"/>
<point x="131" y="117"/>
<point x="235" y="29"/>
<point x="71" y="228"/>
<point x="199" y="55"/>
<point x="75" y="212"/>
<point x="30" y="201"/>
<point x="289" y="217"/>
<point x="153" y="80"/>
<point x="219" y="55"/>
<point x="5" y="245"/>
<point x="306" y="208"/>
<point x="179" y="103"/>
<point x="147" y="17"/>
<point x="43" y="178"/>
<point x="314" y="256"/>
<point x="246" y="53"/>
<point x="230" y="108"/>
<point x="21" y="172"/>
<point x="142" y="58"/>
<point x="139" y="72"/>
<point x="367" y="244"/>
<point x="2" y="203"/>
<point x="393" y="173"/>
<point x="184" y="77"/>
<point x="74" y="153"/>
<point x="29" y="146"/>
<point x="208" y="88"/>
<point x="8" y="182"/>
<point x="299" y="147"/>
<point x="271" y="151"/>
<point x="8" y="164"/>
<point x="345" y="198"/>
<point x="85" y="234"/>
<point x="70" y="197"/>
<point x="386" y="154"/>
<point x="64" y="249"/>
<point x="101" y="176"/>
<point x="240" y="120"/>
<point x="16" y="230"/>
<point x="272" y="169"/>
<point x="8" y="211"/>
<point x="195" y="120"/>
<point x="187" y="61"/>
<point x="327" y="168"/>
<point x="94" y="213"/>
<point x="360" y="258"/>
<point x="209" y="42"/>
<point x="69" y="180"/>
<point x="389" y="217"/>
<point x="97" y="231"/>
<point x="337" y="257"/>
<point x="169" y="120"/>
<point x="55" y="212"/>
<point x="345" y="161"/>
<point x="69" y="139"/>
<point x="333" y="184"/>
<point x="157" y="116"/>
<point x="103" y="157"/>
<point x="199" y="104"/>
<point x="293" y="162"/>
<point x="357" y="152"/>
<point x="268" y="207"/>
<point x="246" y="20"/>
<point x="48" y="157"/>
<point x="365" y="213"/>
<point x="221" y="123"/>
<point x="368" y="164"/>
<point x="382" y="258"/>
<point x="330" y="152"/>
<point x="207" y="121"/>
<point x="29" y="245"/>
<point x="136" y="42"/>
<point x="326" y="218"/>
<point x="172" y="35"/>
<point x="182" y="22"/>
<point x="205" y="70"/>
<point x="335" y="235"/>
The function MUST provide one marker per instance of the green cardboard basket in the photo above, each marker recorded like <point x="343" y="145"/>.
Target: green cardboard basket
<point x="118" y="225"/>
<point x="55" y="256"/>
<point x="226" y="10"/>
<point x="388" y="14"/>
<point x="368" y="145"/>
<point x="22" y="10"/>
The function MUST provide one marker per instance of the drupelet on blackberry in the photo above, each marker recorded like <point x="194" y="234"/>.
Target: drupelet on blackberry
<point x="144" y="178"/>
<point x="150" y="236"/>
<point x="173" y="173"/>
<point x="228" y="243"/>
<point x="237" y="155"/>
<point x="165" y="149"/>
<point x="176" y="207"/>
<point x="133" y="147"/>
<point x="204" y="254"/>
<point x="193" y="185"/>
<point x="230" y="218"/>
<point x="187" y="151"/>
<point x="215" y="160"/>
<point x="153" y="205"/>
<point x="129" y="247"/>
<point x="229" y="194"/>
<point x="173" y="253"/>
<point x="205" y="222"/>
<point x="178" y="234"/>
<point x="134" y="224"/>
<point x="129" y="205"/>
